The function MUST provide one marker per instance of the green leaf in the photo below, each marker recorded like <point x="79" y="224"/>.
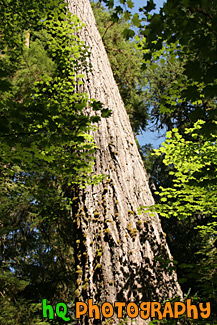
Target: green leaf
<point x="136" y="20"/>
<point x="128" y="33"/>
<point x="106" y="112"/>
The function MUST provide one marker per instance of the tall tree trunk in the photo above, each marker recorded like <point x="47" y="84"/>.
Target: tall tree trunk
<point x="116" y="250"/>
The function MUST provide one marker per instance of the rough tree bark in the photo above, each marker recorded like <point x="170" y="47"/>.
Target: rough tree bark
<point x="116" y="249"/>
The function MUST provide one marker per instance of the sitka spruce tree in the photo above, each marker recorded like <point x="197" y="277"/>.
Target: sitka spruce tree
<point x="119" y="255"/>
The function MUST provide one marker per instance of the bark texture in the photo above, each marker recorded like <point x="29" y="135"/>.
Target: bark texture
<point x="117" y="251"/>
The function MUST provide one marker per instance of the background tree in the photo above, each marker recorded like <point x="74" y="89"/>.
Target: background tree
<point x="125" y="60"/>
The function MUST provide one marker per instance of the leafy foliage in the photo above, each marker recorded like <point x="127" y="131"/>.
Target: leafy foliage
<point x="46" y="154"/>
<point x="193" y="25"/>
<point x="190" y="25"/>
<point x="193" y="199"/>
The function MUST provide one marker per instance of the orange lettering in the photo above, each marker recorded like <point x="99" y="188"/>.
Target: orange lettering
<point x="156" y="310"/>
<point x="135" y="312"/>
<point x="207" y="310"/>
<point x="178" y="312"/>
<point x="120" y="306"/>
<point x="145" y="306"/>
<point x="79" y="311"/>
<point x="92" y="308"/>
<point x="191" y="308"/>
<point x="107" y="310"/>
<point x="168" y="310"/>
